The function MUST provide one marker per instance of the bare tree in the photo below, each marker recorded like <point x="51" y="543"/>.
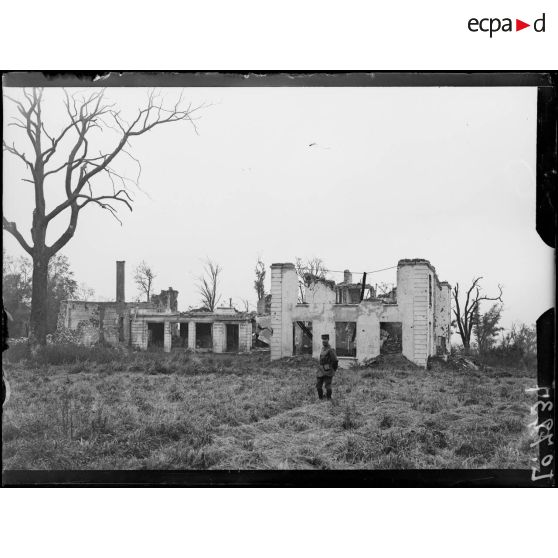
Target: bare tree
<point x="259" y="283"/>
<point x="246" y="304"/>
<point x="208" y="284"/>
<point x="80" y="171"/>
<point x="466" y="313"/>
<point x="313" y="267"/>
<point x="144" y="277"/>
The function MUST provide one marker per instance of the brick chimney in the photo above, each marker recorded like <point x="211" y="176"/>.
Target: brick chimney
<point x="120" y="277"/>
<point x="347" y="276"/>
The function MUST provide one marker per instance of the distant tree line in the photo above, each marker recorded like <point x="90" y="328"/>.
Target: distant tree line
<point x="17" y="288"/>
<point x="481" y="333"/>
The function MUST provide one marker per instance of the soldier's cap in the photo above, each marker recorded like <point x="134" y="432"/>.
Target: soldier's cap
<point x="325" y="337"/>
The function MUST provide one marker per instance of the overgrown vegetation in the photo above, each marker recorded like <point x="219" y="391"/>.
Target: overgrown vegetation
<point x="17" y="288"/>
<point x="101" y="408"/>
<point x="516" y="349"/>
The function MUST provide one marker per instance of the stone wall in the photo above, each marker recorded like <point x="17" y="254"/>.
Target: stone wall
<point x="219" y="337"/>
<point x="94" y="322"/>
<point x="79" y="322"/>
<point x="166" y="300"/>
<point x="139" y="334"/>
<point x="245" y="336"/>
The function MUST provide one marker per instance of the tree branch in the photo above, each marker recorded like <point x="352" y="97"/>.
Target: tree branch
<point x="85" y="112"/>
<point x="11" y="227"/>
<point x="68" y="233"/>
<point x="12" y="149"/>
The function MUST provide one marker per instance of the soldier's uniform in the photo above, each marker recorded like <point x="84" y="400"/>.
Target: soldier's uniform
<point x="328" y="366"/>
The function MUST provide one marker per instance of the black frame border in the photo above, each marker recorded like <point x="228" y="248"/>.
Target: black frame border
<point x="546" y="226"/>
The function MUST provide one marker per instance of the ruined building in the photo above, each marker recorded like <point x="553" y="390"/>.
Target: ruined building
<point x="156" y="323"/>
<point x="413" y="319"/>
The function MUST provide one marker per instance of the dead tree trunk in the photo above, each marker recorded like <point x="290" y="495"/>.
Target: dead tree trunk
<point x="465" y="313"/>
<point x="39" y="302"/>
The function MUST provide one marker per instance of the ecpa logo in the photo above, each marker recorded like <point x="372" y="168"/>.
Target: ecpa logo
<point x="494" y="24"/>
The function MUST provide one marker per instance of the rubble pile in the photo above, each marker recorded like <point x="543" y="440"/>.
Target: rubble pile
<point x="391" y="346"/>
<point x="389" y="361"/>
<point x="453" y="362"/>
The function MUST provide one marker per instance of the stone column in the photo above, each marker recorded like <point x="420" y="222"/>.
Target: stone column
<point x="284" y="286"/>
<point x="444" y="313"/>
<point x="167" y="337"/>
<point x="192" y="335"/>
<point x="219" y="337"/>
<point x="245" y="336"/>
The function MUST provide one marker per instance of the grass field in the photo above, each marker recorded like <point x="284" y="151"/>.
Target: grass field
<point x="182" y="411"/>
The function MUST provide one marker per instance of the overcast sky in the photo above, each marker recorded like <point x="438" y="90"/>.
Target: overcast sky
<point x="360" y="177"/>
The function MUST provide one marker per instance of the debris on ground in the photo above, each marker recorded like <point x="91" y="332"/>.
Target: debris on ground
<point x="295" y="360"/>
<point x="453" y="362"/>
<point x="391" y="346"/>
<point x="389" y="361"/>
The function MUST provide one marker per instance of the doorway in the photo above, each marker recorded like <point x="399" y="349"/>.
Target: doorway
<point x="232" y="338"/>
<point x="204" y="336"/>
<point x="390" y="338"/>
<point x="183" y="335"/>
<point x="345" y="339"/>
<point x="155" y="334"/>
<point x="302" y="338"/>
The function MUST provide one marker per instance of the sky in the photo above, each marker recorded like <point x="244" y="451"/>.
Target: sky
<point x="360" y="177"/>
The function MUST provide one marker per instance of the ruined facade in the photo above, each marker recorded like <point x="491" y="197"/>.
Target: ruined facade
<point x="414" y="319"/>
<point x="224" y="330"/>
<point x="157" y="323"/>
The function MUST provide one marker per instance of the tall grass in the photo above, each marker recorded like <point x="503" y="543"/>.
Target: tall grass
<point x="104" y="408"/>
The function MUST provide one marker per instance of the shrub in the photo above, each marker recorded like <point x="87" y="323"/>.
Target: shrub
<point x="518" y="348"/>
<point x="59" y="354"/>
<point x="68" y="353"/>
<point x="17" y="352"/>
<point x="509" y="357"/>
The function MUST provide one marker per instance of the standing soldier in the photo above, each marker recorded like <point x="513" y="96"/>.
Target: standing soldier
<point x="328" y="366"/>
